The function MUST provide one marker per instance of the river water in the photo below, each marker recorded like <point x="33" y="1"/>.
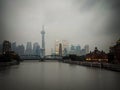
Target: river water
<point x="53" y="75"/>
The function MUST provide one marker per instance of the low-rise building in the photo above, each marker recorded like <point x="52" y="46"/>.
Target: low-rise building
<point x="97" y="56"/>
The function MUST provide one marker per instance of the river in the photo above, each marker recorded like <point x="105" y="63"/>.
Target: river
<point x="54" y="75"/>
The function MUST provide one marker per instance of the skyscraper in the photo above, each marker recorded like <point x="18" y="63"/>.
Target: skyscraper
<point x="20" y="49"/>
<point x="36" y="49"/>
<point x="57" y="42"/>
<point x="78" y="50"/>
<point x="60" y="49"/>
<point x="6" y="46"/>
<point x="28" y="48"/>
<point x="43" y="41"/>
<point x="72" y="49"/>
<point x="65" y="46"/>
<point x="86" y="49"/>
<point x="14" y="46"/>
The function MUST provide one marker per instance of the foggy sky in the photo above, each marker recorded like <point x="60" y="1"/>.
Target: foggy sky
<point x="93" y="22"/>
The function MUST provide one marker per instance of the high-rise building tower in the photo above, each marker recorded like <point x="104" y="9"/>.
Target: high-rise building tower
<point x="43" y="41"/>
<point x="36" y="49"/>
<point x="28" y="48"/>
<point x="64" y="45"/>
<point x="57" y="42"/>
<point x="60" y="49"/>
<point x="6" y="46"/>
<point x="14" y="46"/>
<point x="86" y="49"/>
<point x="21" y="50"/>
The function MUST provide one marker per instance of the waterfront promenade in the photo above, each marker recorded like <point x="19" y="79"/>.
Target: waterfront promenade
<point x="114" y="67"/>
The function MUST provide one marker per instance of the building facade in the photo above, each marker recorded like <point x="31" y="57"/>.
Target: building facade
<point x="36" y="49"/>
<point x="6" y="47"/>
<point x="97" y="56"/>
<point x="86" y="49"/>
<point x="60" y="49"/>
<point x="28" y="48"/>
<point x="20" y="50"/>
<point x="14" y="46"/>
<point x="114" y="55"/>
<point x="0" y="48"/>
<point x="61" y="46"/>
<point x="77" y="50"/>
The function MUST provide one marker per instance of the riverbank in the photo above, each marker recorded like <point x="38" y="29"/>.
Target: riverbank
<point x="3" y="64"/>
<point x="108" y="66"/>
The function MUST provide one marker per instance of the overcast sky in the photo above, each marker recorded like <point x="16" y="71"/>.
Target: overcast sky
<point x="93" y="22"/>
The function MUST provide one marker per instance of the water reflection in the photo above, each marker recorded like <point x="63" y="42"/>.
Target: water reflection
<point x="34" y="75"/>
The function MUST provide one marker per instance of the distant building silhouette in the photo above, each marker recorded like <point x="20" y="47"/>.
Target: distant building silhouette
<point x="20" y="50"/>
<point x="72" y="49"/>
<point x="83" y="52"/>
<point x="14" y="46"/>
<point x="86" y="49"/>
<point x="28" y="50"/>
<point x="57" y="42"/>
<point x="60" y="49"/>
<point x="6" y="47"/>
<point x="43" y="42"/>
<point x="36" y="49"/>
<point x="52" y="51"/>
<point x="0" y="48"/>
<point x="64" y="45"/>
<point x="115" y="53"/>
<point x="65" y="52"/>
<point x="76" y="49"/>
<point x="97" y="56"/>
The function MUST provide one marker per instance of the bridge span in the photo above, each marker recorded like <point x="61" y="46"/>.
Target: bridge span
<point x="38" y="57"/>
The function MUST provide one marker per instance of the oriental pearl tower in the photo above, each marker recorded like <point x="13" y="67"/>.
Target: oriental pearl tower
<point x="43" y="42"/>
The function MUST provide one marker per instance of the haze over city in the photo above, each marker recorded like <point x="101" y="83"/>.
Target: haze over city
<point x="92" y="22"/>
<point x="59" y="45"/>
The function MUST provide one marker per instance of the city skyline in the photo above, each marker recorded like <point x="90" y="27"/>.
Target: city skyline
<point x="59" y="44"/>
<point x="53" y="47"/>
<point x="30" y="48"/>
<point x="79" y="21"/>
